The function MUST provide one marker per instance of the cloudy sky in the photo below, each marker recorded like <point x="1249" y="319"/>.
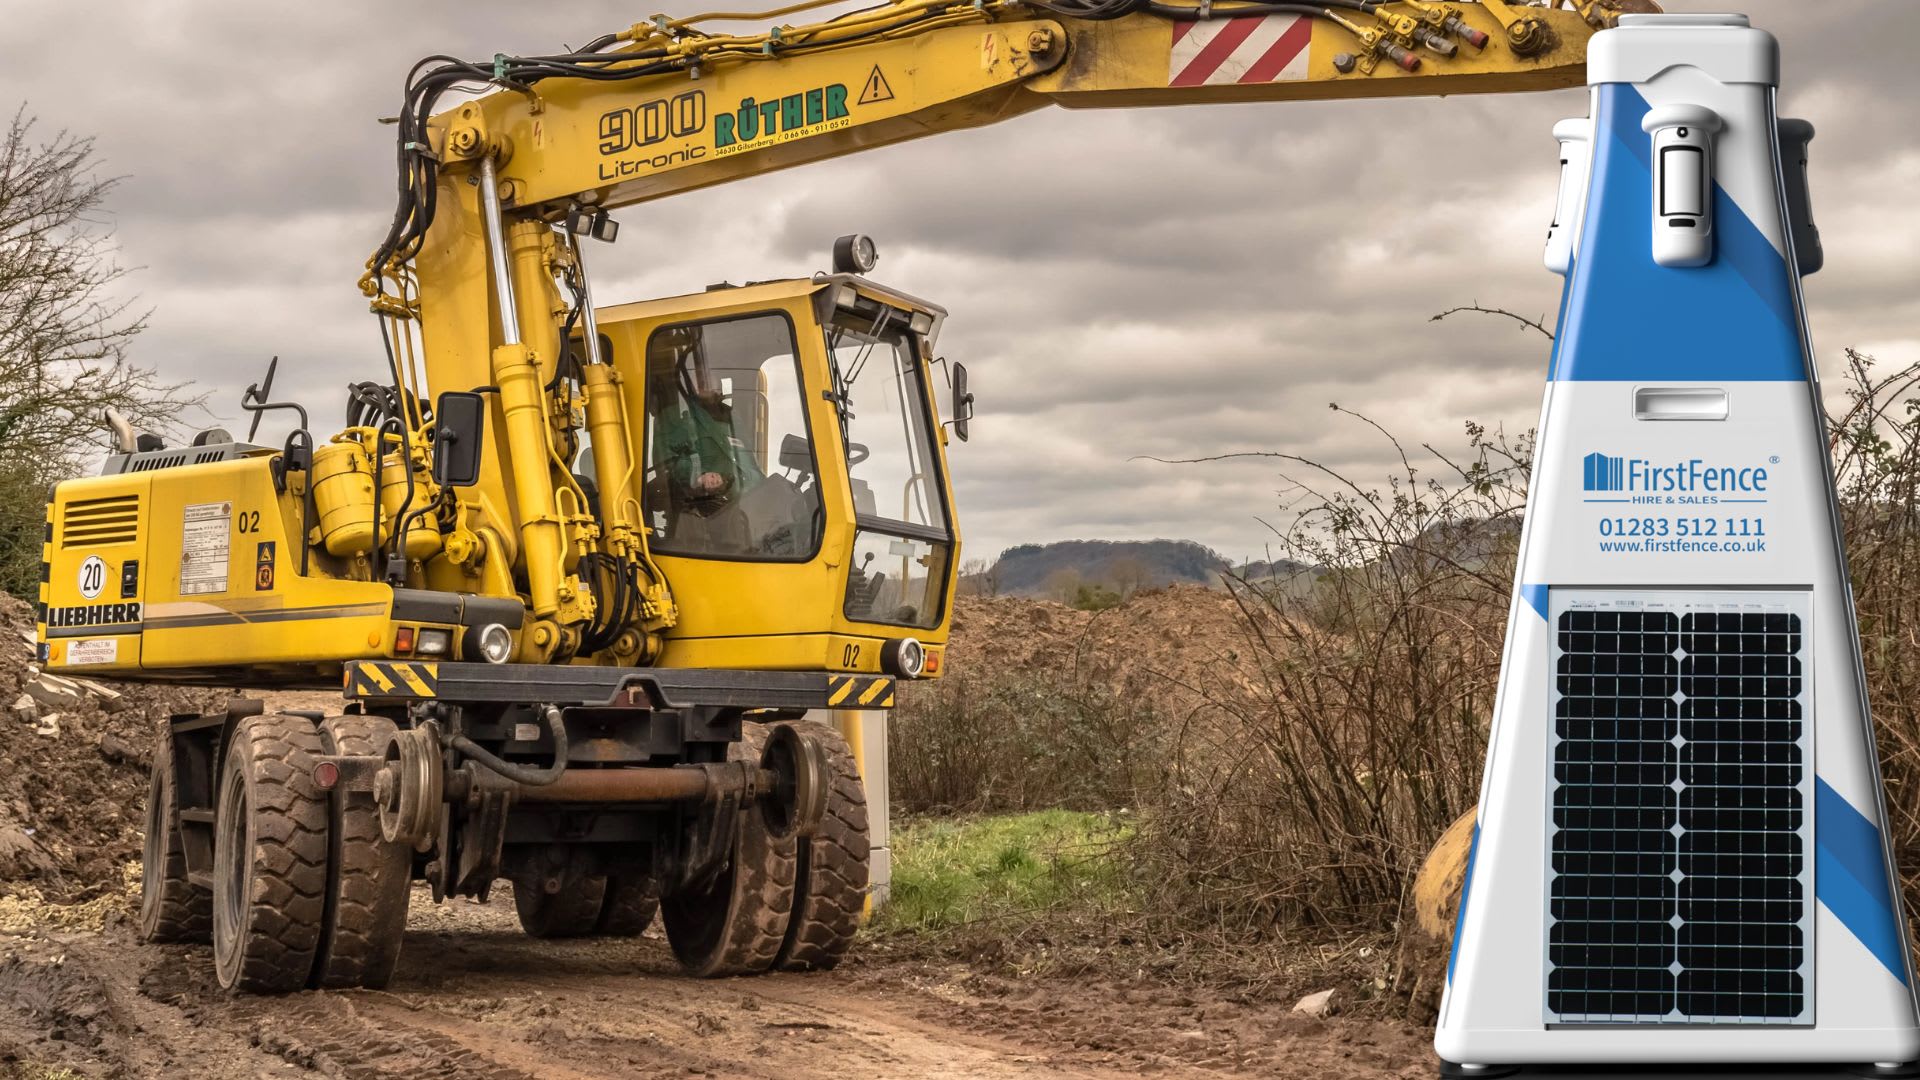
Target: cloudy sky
<point x="1125" y="284"/>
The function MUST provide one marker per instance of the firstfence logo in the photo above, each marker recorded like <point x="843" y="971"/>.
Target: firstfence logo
<point x="1603" y="473"/>
<point x="1689" y="480"/>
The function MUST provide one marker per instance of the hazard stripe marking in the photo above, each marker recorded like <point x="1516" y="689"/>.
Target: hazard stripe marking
<point x="1221" y="52"/>
<point x="873" y="691"/>
<point x="413" y="680"/>
<point x="839" y="688"/>
<point x="373" y="678"/>
<point x="1280" y="59"/>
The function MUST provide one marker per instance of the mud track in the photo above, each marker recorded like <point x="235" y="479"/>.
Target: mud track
<point x="476" y="998"/>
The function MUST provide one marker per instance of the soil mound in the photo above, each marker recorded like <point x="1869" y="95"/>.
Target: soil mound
<point x="73" y="780"/>
<point x="1183" y="638"/>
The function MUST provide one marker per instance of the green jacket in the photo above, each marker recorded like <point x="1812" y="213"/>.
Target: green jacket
<point x="688" y="441"/>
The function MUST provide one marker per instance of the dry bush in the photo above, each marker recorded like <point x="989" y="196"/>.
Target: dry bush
<point x="993" y="741"/>
<point x="1876" y="456"/>
<point x="1308" y="795"/>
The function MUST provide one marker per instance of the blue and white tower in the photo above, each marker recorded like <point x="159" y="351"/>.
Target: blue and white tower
<point x="1682" y="855"/>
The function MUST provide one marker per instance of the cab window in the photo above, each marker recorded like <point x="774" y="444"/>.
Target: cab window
<point x="903" y="544"/>
<point x="729" y="459"/>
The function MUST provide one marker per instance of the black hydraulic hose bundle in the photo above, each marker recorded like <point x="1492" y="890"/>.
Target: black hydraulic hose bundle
<point x="619" y="596"/>
<point x="419" y="170"/>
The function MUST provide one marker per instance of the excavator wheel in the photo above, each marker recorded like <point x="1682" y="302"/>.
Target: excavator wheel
<point x="560" y="895"/>
<point x="633" y="898"/>
<point x="173" y="910"/>
<point x="736" y="924"/>
<point x="269" y="856"/>
<point x="367" y="878"/>
<point x="830" y="888"/>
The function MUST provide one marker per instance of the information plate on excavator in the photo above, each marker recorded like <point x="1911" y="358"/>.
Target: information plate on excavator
<point x="205" y="543"/>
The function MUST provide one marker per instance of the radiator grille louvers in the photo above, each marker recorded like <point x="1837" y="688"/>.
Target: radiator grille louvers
<point x="88" y="523"/>
<point x="160" y="461"/>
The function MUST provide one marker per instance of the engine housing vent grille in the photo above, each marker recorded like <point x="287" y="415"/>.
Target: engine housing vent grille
<point x="110" y="519"/>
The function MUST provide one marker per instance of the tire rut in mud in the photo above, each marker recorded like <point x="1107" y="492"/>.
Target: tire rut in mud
<point x="325" y="1032"/>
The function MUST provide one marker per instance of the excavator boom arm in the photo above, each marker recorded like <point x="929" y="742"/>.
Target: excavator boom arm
<point x="713" y="109"/>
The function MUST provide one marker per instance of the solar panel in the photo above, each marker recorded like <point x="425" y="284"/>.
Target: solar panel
<point x="1679" y="879"/>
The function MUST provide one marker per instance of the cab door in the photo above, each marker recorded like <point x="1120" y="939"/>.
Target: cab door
<point x="742" y="517"/>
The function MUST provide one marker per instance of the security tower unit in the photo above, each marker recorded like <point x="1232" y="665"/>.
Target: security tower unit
<point x="1682" y="855"/>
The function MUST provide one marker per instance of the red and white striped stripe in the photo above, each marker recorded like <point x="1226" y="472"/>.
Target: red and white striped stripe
<point x="1255" y="49"/>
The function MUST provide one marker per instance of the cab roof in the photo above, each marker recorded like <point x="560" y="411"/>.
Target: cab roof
<point x="724" y="295"/>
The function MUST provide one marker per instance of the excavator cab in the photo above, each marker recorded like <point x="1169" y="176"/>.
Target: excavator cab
<point x="793" y="476"/>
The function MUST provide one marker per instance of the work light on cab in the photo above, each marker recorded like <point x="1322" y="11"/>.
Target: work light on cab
<point x="854" y="253"/>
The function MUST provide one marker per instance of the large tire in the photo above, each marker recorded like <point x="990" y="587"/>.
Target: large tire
<point x="830" y="890"/>
<point x="572" y="909"/>
<point x="173" y="910"/>
<point x="367" y="877"/>
<point x="633" y="898"/>
<point x="269" y="857"/>
<point x="737" y="924"/>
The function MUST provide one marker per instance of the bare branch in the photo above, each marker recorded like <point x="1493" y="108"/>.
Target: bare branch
<point x="1539" y="324"/>
<point x="65" y="329"/>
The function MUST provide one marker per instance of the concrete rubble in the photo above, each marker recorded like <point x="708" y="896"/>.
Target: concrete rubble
<point x="1320" y="1004"/>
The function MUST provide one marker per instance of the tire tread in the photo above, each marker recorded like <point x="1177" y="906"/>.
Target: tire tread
<point x="280" y="919"/>
<point x="368" y="879"/>
<point x="831" y="891"/>
<point x="180" y="911"/>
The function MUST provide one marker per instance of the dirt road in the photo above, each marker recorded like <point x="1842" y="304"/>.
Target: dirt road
<point x="476" y="998"/>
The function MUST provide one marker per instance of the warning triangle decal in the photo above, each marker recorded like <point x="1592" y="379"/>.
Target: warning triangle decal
<point x="876" y="88"/>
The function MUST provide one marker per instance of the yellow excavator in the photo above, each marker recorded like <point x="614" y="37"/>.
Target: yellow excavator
<point x="582" y="573"/>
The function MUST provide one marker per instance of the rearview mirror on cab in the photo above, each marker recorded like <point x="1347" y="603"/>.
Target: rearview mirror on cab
<point x="460" y="424"/>
<point x="962" y="402"/>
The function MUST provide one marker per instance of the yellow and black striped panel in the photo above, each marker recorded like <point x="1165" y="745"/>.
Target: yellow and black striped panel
<point x="859" y="691"/>
<point x="392" y="679"/>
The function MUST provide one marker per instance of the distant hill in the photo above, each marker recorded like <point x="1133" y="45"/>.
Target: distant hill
<point x="1125" y="566"/>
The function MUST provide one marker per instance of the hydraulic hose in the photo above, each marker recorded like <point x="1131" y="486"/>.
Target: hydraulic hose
<point x="529" y="775"/>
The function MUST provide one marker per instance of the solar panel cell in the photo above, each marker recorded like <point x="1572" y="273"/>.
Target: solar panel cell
<point x="1678" y="818"/>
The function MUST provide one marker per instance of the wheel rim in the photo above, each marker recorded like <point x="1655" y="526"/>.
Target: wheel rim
<point x="232" y="861"/>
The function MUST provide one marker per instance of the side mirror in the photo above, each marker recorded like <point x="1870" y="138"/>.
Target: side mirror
<point x="962" y="402"/>
<point x="460" y="422"/>
<point x="796" y="454"/>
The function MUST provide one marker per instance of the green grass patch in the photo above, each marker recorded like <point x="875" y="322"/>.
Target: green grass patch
<point x="948" y="873"/>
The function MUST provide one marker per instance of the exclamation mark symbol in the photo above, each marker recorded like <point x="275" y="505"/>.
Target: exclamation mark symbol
<point x="876" y="89"/>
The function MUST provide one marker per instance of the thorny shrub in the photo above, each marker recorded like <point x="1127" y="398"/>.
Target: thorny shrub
<point x="1308" y="796"/>
<point x="1875" y="444"/>
<point x="998" y="741"/>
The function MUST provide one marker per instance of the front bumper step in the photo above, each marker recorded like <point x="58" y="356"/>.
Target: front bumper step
<point x="614" y="687"/>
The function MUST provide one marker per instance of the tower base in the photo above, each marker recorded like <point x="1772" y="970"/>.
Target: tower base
<point x="1450" y="1071"/>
